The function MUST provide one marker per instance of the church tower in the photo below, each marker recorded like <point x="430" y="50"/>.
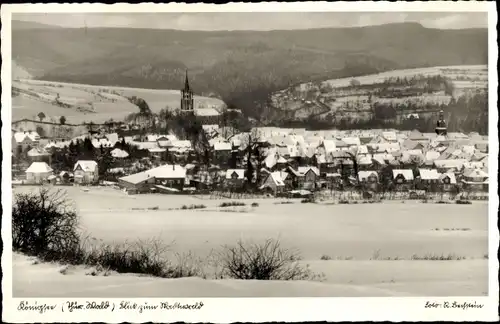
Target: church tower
<point x="187" y="100"/>
<point x="441" y="125"/>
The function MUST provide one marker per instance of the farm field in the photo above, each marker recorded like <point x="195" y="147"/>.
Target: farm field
<point x="479" y="72"/>
<point x="100" y="105"/>
<point x="358" y="239"/>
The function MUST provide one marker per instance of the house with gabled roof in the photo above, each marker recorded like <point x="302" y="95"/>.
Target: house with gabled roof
<point x="222" y="153"/>
<point x="86" y="172"/>
<point x="368" y="179"/>
<point x="235" y="178"/>
<point x="475" y="179"/>
<point x="38" y="173"/>
<point x="403" y="178"/>
<point x="274" y="182"/>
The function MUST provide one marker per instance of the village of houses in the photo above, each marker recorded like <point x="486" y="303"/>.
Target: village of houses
<point x="290" y="162"/>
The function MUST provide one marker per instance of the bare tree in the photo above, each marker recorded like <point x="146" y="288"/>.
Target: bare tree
<point x="43" y="222"/>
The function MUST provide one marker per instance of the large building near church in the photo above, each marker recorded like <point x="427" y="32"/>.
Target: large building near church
<point x="207" y="116"/>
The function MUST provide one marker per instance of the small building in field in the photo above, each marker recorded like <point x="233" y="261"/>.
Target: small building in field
<point x="86" y="172"/>
<point x="235" y="178"/>
<point x="428" y="179"/>
<point x="137" y="183"/>
<point x="222" y="153"/>
<point x="24" y="140"/>
<point x="448" y="181"/>
<point x="304" y="177"/>
<point x="475" y="180"/>
<point x="168" y="177"/>
<point x="368" y="179"/>
<point x="403" y="178"/>
<point x="274" y="182"/>
<point x="38" y="173"/>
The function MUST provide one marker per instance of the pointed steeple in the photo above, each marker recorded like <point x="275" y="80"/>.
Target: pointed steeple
<point x="186" y="82"/>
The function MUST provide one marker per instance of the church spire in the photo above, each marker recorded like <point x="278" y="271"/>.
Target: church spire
<point x="187" y="101"/>
<point x="441" y="124"/>
<point x="186" y="82"/>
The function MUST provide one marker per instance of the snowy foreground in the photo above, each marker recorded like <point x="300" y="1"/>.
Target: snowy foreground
<point x="353" y="246"/>
<point x="350" y="279"/>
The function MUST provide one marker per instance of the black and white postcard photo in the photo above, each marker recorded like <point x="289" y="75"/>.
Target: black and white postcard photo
<point x="206" y="163"/>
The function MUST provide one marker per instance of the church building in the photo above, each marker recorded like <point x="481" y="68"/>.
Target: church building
<point x="207" y="116"/>
<point x="441" y="125"/>
<point x="187" y="98"/>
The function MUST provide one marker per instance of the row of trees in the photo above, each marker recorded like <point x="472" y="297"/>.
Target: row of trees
<point x="65" y="158"/>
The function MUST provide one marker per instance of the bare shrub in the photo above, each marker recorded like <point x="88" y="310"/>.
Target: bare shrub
<point x="437" y="257"/>
<point x="283" y="202"/>
<point x="231" y="204"/>
<point x="43" y="222"/>
<point x="184" y="207"/>
<point x="254" y="204"/>
<point x="188" y="265"/>
<point x="325" y="257"/>
<point x="267" y="261"/>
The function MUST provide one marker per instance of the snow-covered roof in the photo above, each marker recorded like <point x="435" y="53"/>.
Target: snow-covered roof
<point x="157" y="150"/>
<point x="351" y="141"/>
<point x="239" y="172"/>
<point x="365" y="174"/>
<point x="407" y="174"/>
<point x="362" y="149"/>
<point x="167" y="171"/>
<point x="432" y="155"/>
<point x="476" y="173"/>
<point x="389" y="136"/>
<point x="365" y="160"/>
<point x="206" y="112"/>
<point x="428" y="174"/>
<point x="118" y="153"/>
<point x="277" y="178"/>
<point x="20" y="136"/>
<point x="182" y="144"/>
<point x="451" y="175"/>
<point x="458" y="163"/>
<point x="474" y="165"/>
<point x="329" y="145"/>
<point x="86" y="165"/>
<point x="39" y="167"/>
<point x="37" y="152"/>
<point x="304" y="169"/>
<point x="136" y="178"/>
<point x="222" y="146"/>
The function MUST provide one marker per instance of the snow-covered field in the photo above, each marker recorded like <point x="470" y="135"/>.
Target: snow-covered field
<point x="454" y="72"/>
<point x="105" y="104"/>
<point x="358" y="238"/>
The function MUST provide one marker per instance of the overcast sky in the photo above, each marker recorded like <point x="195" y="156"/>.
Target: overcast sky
<point x="256" y="20"/>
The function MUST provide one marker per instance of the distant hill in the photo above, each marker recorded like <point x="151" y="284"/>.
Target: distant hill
<point x="23" y="25"/>
<point x="240" y="67"/>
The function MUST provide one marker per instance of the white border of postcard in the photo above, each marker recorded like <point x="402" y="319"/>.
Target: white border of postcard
<point x="224" y="310"/>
